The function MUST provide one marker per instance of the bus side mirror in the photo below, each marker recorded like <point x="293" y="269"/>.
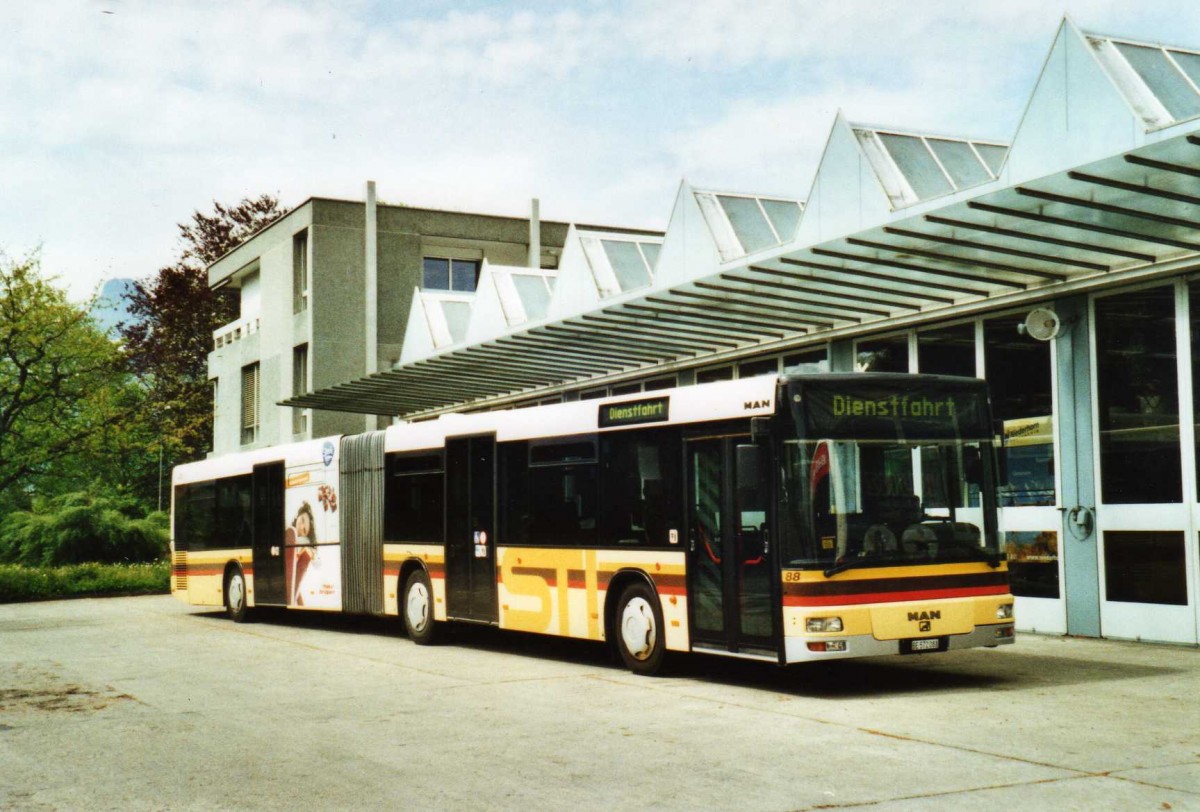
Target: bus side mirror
<point x="749" y="466"/>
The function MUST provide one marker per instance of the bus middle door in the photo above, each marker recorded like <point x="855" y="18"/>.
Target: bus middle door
<point x="729" y="569"/>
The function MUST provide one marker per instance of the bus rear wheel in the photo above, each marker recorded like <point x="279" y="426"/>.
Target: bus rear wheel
<point x="417" y="608"/>
<point x="639" y="630"/>
<point x="235" y="596"/>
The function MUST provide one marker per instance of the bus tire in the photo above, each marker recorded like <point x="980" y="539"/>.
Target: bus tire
<point x="235" y="596"/>
<point x="417" y="608"/>
<point x="639" y="630"/>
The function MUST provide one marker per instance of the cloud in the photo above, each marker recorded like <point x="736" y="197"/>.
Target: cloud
<point x="113" y="127"/>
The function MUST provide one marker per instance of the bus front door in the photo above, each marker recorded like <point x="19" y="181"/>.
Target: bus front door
<point x="267" y="495"/>
<point x="470" y="528"/>
<point x="729" y="566"/>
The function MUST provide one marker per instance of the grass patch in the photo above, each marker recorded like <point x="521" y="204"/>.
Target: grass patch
<point x="19" y="583"/>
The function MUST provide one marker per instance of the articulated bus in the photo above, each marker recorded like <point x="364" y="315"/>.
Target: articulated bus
<point x="783" y="519"/>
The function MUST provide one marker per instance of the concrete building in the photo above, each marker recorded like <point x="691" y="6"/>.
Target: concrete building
<point x="326" y="294"/>
<point x="1061" y="263"/>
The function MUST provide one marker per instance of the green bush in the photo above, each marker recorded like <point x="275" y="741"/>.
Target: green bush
<point x="18" y="583"/>
<point x="81" y="527"/>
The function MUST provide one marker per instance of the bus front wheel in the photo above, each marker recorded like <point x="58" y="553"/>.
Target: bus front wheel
<point x="417" y="608"/>
<point x="235" y="596"/>
<point x="639" y="630"/>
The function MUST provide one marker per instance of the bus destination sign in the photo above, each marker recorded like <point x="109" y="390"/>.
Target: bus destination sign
<point x="631" y="413"/>
<point x="898" y="408"/>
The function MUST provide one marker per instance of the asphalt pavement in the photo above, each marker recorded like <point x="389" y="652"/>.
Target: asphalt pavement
<point x="144" y="703"/>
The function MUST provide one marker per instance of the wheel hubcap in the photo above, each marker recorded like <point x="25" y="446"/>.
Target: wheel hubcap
<point x="637" y="628"/>
<point x="417" y="607"/>
<point x="237" y="593"/>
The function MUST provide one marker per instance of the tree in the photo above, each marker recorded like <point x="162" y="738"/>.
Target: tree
<point x="175" y="314"/>
<point x="62" y="386"/>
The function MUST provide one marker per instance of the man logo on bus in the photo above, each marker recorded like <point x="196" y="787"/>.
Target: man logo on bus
<point x="936" y="614"/>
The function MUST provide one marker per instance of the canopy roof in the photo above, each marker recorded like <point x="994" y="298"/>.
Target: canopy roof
<point x="1093" y="190"/>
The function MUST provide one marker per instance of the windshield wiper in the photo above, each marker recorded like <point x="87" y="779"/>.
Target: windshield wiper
<point x="992" y="559"/>
<point x="850" y="564"/>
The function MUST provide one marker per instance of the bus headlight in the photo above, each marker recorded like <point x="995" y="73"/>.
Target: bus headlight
<point x="1004" y="611"/>
<point x="823" y="624"/>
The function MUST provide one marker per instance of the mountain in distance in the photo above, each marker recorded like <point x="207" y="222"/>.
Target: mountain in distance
<point x="112" y="305"/>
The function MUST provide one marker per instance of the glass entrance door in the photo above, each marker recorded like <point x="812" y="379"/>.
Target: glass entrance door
<point x="729" y="563"/>
<point x="1146" y="473"/>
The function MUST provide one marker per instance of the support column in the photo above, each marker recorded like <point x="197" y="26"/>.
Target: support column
<point x="1077" y="543"/>
<point x="371" y="292"/>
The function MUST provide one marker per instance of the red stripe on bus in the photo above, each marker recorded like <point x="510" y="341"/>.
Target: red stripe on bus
<point x="891" y="597"/>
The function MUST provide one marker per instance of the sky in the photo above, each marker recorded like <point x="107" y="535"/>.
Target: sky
<point x="118" y="119"/>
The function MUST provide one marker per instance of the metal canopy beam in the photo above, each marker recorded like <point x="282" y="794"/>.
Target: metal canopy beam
<point x="610" y="359"/>
<point x="975" y="263"/>
<point x="811" y="286"/>
<point x="1163" y="166"/>
<point x="908" y="266"/>
<point x="672" y="313"/>
<point x="1062" y="221"/>
<point x="715" y="316"/>
<point x="795" y="315"/>
<point x="1149" y="191"/>
<point x="776" y="295"/>
<point x="505" y="360"/>
<point x="853" y="282"/>
<point x="607" y="338"/>
<point x="1042" y="238"/>
<point x="995" y="249"/>
<point x="680" y="321"/>
<point x="1124" y="211"/>
<point x="634" y="327"/>
<point x="679" y="345"/>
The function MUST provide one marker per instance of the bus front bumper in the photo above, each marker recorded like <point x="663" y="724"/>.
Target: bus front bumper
<point x="836" y="647"/>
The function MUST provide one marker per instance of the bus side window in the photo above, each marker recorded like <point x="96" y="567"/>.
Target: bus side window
<point x="640" y="487"/>
<point x="514" y="493"/>
<point x="413" y="495"/>
<point x="564" y="486"/>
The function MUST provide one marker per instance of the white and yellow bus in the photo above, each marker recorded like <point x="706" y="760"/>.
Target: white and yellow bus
<point x="783" y="519"/>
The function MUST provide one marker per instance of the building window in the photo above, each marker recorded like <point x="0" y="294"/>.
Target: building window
<point x="807" y="361"/>
<point x="714" y="374"/>
<point x="1017" y="368"/>
<point x="249" y="403"/>
<point x="1138" y="388"/>
<point x="1145" y="567"/>
<point x="761" y="366"/>
<point x="299" y="387"/>
<point x="883" y="354"/>
<point x="666" y="382"/>
<point x="441" y="273"/>
<point x="947" y="350"/>
<point x="300" y="272"/>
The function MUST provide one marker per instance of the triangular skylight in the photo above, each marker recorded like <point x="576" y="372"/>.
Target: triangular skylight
<point x="620" y="263"/>
<point x="913" y="168"/>
<point x="1161" y="83"/>
<point x="746" y="224"/>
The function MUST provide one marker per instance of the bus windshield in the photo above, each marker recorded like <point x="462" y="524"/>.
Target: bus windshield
<point x="888" y="471"/>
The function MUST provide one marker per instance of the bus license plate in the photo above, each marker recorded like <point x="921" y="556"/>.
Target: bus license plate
<point x="930" y="644"/>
